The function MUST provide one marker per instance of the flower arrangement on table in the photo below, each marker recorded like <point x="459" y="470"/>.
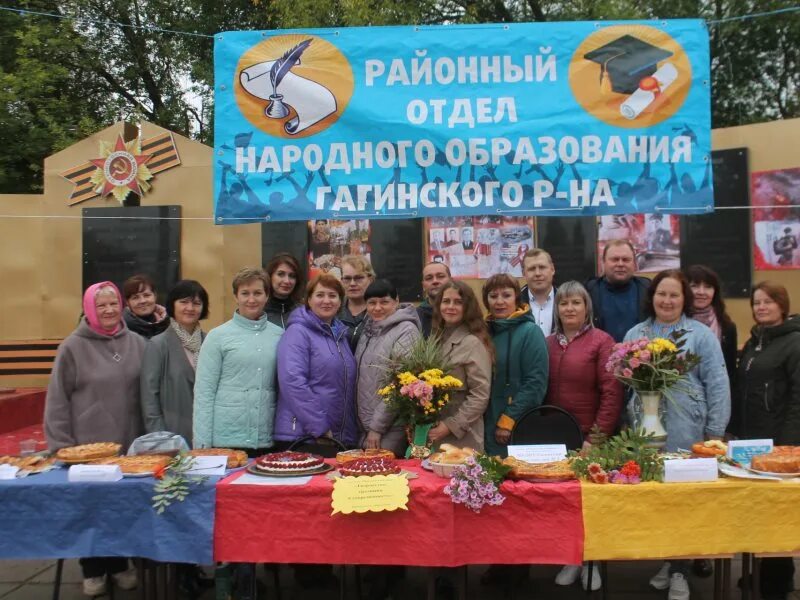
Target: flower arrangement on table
<point x="626" y="458"/>
<point x="417" y="391"/>
<point x="476" y="483"/>
<point x="172" y="483"/>
<point x="654" y="368"/>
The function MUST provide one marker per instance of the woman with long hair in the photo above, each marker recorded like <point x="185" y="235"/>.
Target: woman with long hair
<point x="285" y="288"/>
<point x="458" y="322"/>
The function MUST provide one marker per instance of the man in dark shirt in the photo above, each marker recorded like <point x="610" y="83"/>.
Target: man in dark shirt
<point x="434" y="276"/>
<point x="618" y="295"/>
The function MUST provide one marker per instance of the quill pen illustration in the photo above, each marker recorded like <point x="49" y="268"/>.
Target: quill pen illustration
<point x="285" y="63"/>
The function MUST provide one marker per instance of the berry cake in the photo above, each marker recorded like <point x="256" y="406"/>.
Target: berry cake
<point x="369" y="466"/>
<point x="281" y="462"/>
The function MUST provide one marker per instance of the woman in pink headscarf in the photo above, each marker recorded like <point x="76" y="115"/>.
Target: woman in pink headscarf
<point x="93" y="396"/>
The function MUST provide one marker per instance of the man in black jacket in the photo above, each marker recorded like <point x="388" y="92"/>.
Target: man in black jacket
<point x="618" y="295"/>
<point x="434" y="276"/>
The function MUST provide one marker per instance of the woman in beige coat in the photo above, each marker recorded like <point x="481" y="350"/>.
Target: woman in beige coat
<point x="457" y="319"/>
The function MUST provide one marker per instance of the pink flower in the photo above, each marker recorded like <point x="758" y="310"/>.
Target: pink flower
<point x="627" y="373"/>
<point x="634" y="362"/>
<point x="645" y="355"/>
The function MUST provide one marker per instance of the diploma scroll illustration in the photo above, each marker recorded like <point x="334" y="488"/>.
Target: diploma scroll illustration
<point x="311" y="101"/>
<point x="641" y="99"/>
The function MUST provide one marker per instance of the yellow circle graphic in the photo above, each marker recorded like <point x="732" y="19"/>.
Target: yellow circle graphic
<point x="293" y="86"/>
<point x="630" y="76"/>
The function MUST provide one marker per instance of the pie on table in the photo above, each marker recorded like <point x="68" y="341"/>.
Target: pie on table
<point x="88" y="451"/>
<point x="369" y="466"/>
<point x="451" y="455"/>
<point x="236" y="458"/>
<point x="32" y="464"/>
<point x="283" y="462"/>
<point x="780" y="460"/>
<point x="552" y="471"/>
<point x="134" y="465"/>
<point x="349" y="455"/>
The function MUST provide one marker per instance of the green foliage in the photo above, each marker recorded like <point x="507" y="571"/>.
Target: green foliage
<point x="174" y="486"/>
<point x="617" y="450"/>
<point x="493" y="469"/>
<point x="423" y="354"/>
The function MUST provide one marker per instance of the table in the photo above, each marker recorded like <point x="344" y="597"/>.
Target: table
<point x="45" y="516"/>
<point x="537" y="524"/>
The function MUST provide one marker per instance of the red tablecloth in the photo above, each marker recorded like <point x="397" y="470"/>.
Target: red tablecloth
<point x="537" y="524"/>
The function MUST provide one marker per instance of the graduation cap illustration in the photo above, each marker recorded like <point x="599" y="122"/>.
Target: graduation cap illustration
<point x="627" y="60"/>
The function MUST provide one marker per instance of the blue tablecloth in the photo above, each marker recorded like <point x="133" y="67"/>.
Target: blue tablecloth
<point x="45" y="516"/>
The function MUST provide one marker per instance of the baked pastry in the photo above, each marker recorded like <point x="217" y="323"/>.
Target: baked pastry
<point x="86" y="452"/>
<point x="786" y="450"/>
<point x="33" y="464"/>
<point x="710" y="448"/>
<point x="135" y="465"/>
<point x="553" y="471"/>
<point x="349" y="455"/>
<point x="451" y="455"/>
<point x="776" y="463"/>
<point x="281" y="462"/>
<point x="236" y="458"/>
<point x="369" y="466"/>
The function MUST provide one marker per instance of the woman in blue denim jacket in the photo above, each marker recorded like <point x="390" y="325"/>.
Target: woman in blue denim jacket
<point x="697" y="414"/>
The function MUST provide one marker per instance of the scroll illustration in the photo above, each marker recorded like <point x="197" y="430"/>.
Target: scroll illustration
<point x="274" y="81"/>
<point x="649" y="88"/>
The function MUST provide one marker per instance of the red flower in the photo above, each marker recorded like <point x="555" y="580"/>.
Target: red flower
<point x="601" y="477"/>
<point x="594" y="468"/>
<point x="160" y="472"/>
<point x="631" y="469"/>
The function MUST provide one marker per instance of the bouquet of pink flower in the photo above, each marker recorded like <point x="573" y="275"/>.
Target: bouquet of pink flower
<point x="656" y="365"/>
<point x="476" y="483"/>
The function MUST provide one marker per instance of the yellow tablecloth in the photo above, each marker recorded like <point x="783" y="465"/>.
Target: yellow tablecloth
<point x="658" y="520"/>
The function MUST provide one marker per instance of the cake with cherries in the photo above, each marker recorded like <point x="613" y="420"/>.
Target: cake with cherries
<point x="369" y="466"/>
<point x="284" y="462"/>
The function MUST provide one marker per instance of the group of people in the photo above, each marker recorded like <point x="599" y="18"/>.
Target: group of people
<point x="300" y="362"/>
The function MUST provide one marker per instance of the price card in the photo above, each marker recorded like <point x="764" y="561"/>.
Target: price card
<point x="539" y="453"/>
<point x="8" y="472"/>
<point x="94" y="473"/>
<point x="690" y="469"/>
<point x="369" y="494"/>
<point x="742" y="451"/>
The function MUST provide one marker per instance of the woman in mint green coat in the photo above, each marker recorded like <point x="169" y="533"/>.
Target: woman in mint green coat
<point x="236" y="386"/>
<point x="521" y="363"/>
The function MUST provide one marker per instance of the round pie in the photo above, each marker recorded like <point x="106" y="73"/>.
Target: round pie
<point x="776" y="463"/>
<point x="236" y="458"/>
<point x="369" y="466"/>
<point x="553" y="471"/>
<point x="86" y="452"/>
<point x="350" y="455"/>
<point x="710" y="448"/>
<point x="281" y="462"/>
<point x="135" y="465"/>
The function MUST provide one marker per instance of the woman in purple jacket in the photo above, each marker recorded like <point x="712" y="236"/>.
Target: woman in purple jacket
<point x="316" y="370"/>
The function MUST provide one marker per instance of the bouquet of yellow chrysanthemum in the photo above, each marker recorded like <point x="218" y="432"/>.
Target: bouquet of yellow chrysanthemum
<point x="418" y="388"/>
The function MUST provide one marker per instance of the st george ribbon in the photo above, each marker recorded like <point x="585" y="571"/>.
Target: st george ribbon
<point x="564" y="119"/>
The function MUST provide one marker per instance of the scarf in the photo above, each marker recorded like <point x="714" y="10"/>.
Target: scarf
<point x="190" y="341"/>
<point x="708" y="317"/>
<point x="90" y="310"/>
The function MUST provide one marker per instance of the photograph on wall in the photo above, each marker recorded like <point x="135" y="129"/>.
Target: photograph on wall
<point x="330" y="240"/>
<point x="656" y="238"/>
<point x="775" y="196"/>
<point x="479" y="247"/>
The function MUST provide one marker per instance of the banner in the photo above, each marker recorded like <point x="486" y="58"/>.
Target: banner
<point x="511" y="120"/>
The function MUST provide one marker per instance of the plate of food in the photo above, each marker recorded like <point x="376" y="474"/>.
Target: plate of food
<point x="358" y="454"/>
<point x="85" y="453"/>
<point x="289" y="464"/>
<point x="783" y="462"/>
<point x="140" y="465"/>
<point x="709" y="449"/>
<point x="236" y="458"/>
<point x="444" y="461"/>
<point x="550" y="472"/>
<point x="35" y="463"/>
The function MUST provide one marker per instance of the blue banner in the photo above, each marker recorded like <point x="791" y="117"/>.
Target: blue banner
<point x="518" y="119"/>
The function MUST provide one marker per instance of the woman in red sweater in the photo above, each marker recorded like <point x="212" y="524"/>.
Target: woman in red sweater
<point x="579" y="382"/>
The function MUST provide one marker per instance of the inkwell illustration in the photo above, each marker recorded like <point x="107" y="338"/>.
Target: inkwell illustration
<point x="284" y="90"/>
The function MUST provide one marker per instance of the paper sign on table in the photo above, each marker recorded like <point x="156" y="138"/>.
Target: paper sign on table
<point x="250" y="479"/>
<point x="369" y="494"/>
<point x="8" y="472"/>
<point x="539" y="453"/>
<point x="691" y="469"/>
<point x="742" y="451"/>
<point x="208" y="465"/>
<point x="94" y="473"/>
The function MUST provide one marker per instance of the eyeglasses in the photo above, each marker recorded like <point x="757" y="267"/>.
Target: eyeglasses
<point x="356" y="278"/>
